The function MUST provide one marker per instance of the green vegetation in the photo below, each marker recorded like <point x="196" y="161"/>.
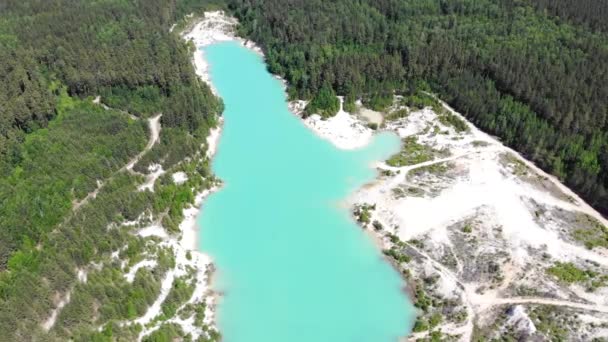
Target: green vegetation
<point x="480" y="143"/>
<point x="325" y="103"/>
<point x="56" y="147"/>
<point x="589" y="13"/>
<point x="60" y="164"/>
<point x="449" y="119"/>
<point x="568" y="273"/>
<point x="378" y="101"/>
<point x="398" y="114"/>
<point x="419" y="100"/>
<point x="403" y="191"/>
<point x="377" y="225"/>
<point x="517" y="166"/>
<point x="181" y="291"/>
<point x="531" y="72"/>
<point x="363" y="213"/>
<point x="435" y="169"/>
<point x="590" y="232"/>
<point x="166" y="333"/>
<point x="553" y="322"/>
<point x="397" y="255"/>
<point x="413" y="153"/>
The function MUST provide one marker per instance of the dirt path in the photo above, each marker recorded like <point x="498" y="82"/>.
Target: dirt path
<point x="493" y="301"/>
<point x="475" y="303"/>
<point x="581" y="205"/>
<point x="154" y="126"/>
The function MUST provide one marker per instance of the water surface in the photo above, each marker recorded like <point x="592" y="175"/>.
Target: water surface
<point x="291" y="263"/>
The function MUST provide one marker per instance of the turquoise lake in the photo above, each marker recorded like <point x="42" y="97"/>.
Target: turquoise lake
<point x="292" y="265"/>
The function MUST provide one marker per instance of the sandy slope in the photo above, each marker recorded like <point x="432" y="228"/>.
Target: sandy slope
<point x="479" y="187"/>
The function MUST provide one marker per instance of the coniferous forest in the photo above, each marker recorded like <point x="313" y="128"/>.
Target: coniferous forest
<point x="532" y="72"/>
<point x="57" y="146"/>
<point x="121" y="50"/>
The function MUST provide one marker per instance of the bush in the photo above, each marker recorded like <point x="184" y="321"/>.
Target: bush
<point x="325" y="103"/>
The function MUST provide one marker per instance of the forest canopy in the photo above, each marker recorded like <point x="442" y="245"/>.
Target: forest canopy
<point x="532" y="72"/>
<point x="58" y="146"/>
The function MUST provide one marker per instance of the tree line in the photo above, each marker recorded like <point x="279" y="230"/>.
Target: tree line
<point x="534" y="72"/>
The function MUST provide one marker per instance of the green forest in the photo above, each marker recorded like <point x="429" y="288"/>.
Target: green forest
<point x="532" y="72"/>
<point x="57" y="146"/>
<point x="57" y="53"/>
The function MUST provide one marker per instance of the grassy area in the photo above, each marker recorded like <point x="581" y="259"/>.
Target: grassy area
<point x="435" y="169"/>
<point x="401" y="191"/>
<point x="517" y="166"/>
<point x="590" y="232"/>
<point x="569" y="273"/>
<point x="398" y="114"/>
<point x="467" y="228"/>
<point x="553" y="322"/>
<point x="447" y="118"/>
<point x="413" y="153"/>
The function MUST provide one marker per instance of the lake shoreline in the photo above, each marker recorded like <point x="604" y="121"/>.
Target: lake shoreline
<point x="215" y="27"/>
<point x="346" y="131"/>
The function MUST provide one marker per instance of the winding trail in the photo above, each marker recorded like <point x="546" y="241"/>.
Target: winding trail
<point x="482" y="300"/>
<point x="476" y="304"/>
<point x="154" y="126"/>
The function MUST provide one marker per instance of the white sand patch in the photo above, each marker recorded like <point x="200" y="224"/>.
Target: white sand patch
<point x="130" y="276"/>
<point x="297" y="106"/>
<point x="82" y="275"/>
<point x="486" y="184"/>
<point x="598" y="296"/>
<point x="186" y="258"/>
<point x="48" y="324"/>
<point x="213" y="139"/>
<point x="343" y="129"/>
<point x="153" y="230"/>
<point x="188" y="226"/>
<point x="447" y="287"/>
<point x="154" y="172"/>
<point x="480" y="186"/>
<point x="371" y="115"/>
<point x="189" y="229"/>
<point x="179" y="177"/>
<point x="519" y="319"/>
<point x="154" y="309"/>
<point x="580" y="203"/>
<point x="215" y="27"/>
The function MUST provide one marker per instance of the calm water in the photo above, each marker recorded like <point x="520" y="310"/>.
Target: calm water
<point x="292" y="264"/>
